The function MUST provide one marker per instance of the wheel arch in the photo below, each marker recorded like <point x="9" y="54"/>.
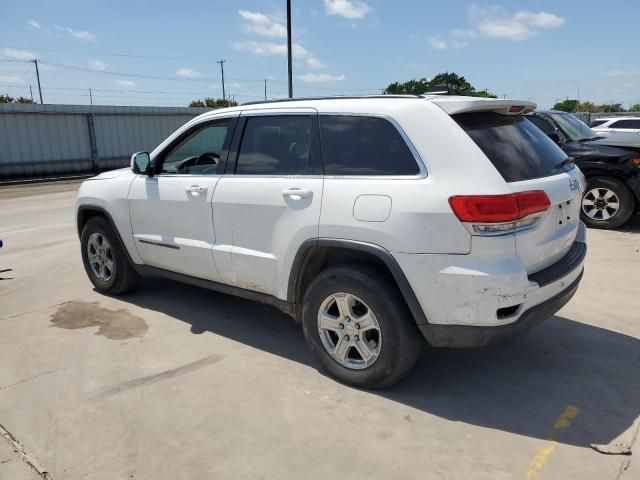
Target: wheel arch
<point x="315" y="255"/>
<point x="86" y="212"/>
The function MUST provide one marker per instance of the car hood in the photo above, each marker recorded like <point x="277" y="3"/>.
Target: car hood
<point x="592" y="149"/>
<point x="111" y="174"/>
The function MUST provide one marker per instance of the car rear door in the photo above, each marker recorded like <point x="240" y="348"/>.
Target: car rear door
<point x="268" y="202"/>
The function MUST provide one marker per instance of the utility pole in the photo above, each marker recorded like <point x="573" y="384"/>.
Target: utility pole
<point x="35" y="62"/>
<point x="90" y="97"/>
<point x="265" y="89"/>
<point x="289" y="56"/>
<point x="31" y="93"/>
<point x="221" y="62"/>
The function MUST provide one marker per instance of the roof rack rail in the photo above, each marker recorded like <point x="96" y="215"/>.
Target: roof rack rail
<point x="438" y="90"/>
<point x="328" y="97"/>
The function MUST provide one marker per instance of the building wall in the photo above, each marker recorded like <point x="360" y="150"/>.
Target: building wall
<point x="51" y="140"/>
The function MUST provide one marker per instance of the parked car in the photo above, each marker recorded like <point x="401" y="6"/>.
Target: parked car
<point x="618" y="131"/>
<point x="612" y="195"/>
<point x="373" y="221"/>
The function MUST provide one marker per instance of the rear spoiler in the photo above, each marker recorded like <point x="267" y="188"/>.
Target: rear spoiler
<point x="454" y="105"/>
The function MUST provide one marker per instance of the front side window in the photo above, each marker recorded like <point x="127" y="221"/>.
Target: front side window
<point x="359" y="145"/>
<point x="200" y="151"/>
<point x="597" y="123"/>
<point x="275" y="145"/>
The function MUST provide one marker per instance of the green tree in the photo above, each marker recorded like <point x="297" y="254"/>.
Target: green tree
<point x="456" y="83"/>
<point x="6" y="99"/>
<point x="611" y="107"/>
<point x="635" y="108"/>
<point x="213" y="103"/>
<point x="567" y="106"/>
<point x="587" y="107"/>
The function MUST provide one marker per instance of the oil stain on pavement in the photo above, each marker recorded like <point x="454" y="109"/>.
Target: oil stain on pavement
<point x="112" y="324"/>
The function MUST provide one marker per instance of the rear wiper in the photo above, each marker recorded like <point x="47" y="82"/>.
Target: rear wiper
<point x="566" y="161"/>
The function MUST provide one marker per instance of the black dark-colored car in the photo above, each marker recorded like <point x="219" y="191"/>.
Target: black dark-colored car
<point x="613" y="173"/>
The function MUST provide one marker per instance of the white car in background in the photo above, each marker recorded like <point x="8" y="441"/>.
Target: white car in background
<point x="618" y="131"/>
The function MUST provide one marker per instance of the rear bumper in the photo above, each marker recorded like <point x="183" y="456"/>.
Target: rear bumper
<point x="465" y="336"/>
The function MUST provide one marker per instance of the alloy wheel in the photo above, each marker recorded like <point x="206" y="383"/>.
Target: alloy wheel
<point x="600" y="203"/>
<point x="100" y="257"/>
<point x="349" y="331"/>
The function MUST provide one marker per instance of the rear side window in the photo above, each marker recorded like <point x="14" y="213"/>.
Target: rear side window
<point x="275" y="145"/>
<point x="634" y="124"/>
<point x="597" y="123"/>
<point x="358" y="145"/>
<point x="542" y="124"/>
<point x="518" y="149"/>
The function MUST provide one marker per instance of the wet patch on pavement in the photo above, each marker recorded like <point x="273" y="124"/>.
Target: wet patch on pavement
<point x="112" y="324"/>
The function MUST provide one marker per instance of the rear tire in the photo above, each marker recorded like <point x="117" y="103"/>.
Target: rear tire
<point x="382" y="341"/>
<point x="607" y="203"/>
<point x="104" y="258"/>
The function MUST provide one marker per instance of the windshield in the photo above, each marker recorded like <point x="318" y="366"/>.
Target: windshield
<point x="574" y="129"/>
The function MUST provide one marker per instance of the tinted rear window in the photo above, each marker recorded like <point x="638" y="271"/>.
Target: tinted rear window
<point x="357" y="145"/>
<point x="518" y="149"/>
<point x="597" y="123"/>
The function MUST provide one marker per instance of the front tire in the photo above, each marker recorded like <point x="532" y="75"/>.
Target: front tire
<point x="607" y="203"/>
<point x="104" y="259"/>
<point x="358" y="325"/>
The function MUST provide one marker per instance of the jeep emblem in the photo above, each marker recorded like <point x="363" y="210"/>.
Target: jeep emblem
<point x="574" y="185"/>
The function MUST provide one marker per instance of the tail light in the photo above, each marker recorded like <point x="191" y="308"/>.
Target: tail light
<point x="499" y="214"/>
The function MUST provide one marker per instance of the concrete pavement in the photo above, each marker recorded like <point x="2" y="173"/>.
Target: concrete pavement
<point x="176" y="382"/>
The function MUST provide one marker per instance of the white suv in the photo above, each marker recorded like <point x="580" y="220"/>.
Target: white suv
<point x="373" y="221"/>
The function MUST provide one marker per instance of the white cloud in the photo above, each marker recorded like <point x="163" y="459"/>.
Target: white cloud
<point x="9" y="79"/>
<point x="262" y="25"/>
<point x="460" y="37"/>
<point x="78" y="34"/>
<point x="126" y="83"/>
<point x="97" y="65"/>
<point x="314" y="63"/>
<point x="15" y="54"/>
<point x="187" y="72"/>
<point x="494" y="22"/>
<point x="321" y="77"/>
<point x="346" y="8"/>
<point x="272" y="48"/>
<point x="437" y="43"/>
<point x="34" y="24"/>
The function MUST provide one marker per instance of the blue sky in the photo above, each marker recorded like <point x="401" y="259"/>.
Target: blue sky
<point x="543" y="50"/>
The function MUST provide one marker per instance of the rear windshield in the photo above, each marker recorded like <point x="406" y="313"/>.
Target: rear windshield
<point x="597" y="123"/>
<point x="517" y="148"/>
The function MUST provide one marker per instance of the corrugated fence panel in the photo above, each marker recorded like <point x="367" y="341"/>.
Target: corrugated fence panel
<point x="50" y="140"/>
<point x="118" y="136"/>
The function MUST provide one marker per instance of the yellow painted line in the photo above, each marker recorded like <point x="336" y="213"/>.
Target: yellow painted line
<point x="542" y="457"/>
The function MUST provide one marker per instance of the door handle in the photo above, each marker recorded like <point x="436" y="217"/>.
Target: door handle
<point x="196" y="190"/>
<point x="297" y="193"/>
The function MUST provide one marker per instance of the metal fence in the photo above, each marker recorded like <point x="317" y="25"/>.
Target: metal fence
<point x="588" y="117"/>
<point x="55" y="140"/>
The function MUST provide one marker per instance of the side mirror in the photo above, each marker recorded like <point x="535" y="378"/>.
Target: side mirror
<point x="555" y="137"/>
<point x="140" y="163"/>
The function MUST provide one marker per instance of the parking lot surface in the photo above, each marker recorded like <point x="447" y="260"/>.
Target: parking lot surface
<point x="176" y="382"/>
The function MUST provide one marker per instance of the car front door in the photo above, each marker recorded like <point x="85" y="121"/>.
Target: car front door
<point x="268" y="201"/>
<point x="171" y="211"/>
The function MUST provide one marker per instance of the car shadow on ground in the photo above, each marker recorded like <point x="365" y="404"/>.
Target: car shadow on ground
<point x="520" y="387"/>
